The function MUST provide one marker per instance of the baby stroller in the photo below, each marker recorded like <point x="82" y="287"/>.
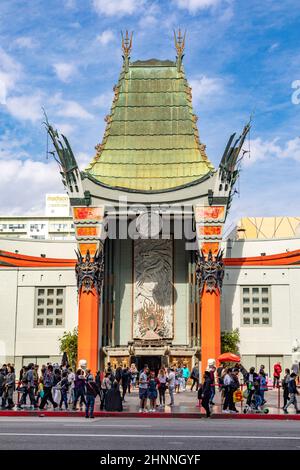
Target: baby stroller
<point x="257" y="405"/>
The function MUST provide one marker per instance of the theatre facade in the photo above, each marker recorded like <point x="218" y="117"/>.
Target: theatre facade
<point x="151" y="282"/>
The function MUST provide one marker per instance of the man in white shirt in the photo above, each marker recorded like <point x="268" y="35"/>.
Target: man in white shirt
<point x="171" y="384"/>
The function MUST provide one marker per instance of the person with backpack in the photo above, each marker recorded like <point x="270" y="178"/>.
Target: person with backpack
<point x="292" y="387"/>
<point x="48" y="384"/>
<point x="79" y="389"/>
<point x="28" y="387"/>
<point x="91" y="391"/>
<point x="195" y="377"/>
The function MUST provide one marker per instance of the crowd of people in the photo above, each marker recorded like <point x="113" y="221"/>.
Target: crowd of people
<point x="229" y="380"/>
<point x="64" y="388"/>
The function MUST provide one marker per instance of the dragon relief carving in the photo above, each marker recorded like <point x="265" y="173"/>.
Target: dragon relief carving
<point x="210" y="271"/>
<point x="90" y="271"/>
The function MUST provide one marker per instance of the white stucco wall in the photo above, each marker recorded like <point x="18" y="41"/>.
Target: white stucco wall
<point x="276" y="339"/>
<point x="243" y="248"/>
<point x="8" y="295"/>
<point x="17" y="290"/>
<point x="51" y="248"/>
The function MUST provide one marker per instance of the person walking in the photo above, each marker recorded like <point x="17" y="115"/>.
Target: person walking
<point x="64" y="387"/>
<point x="153" y="383"/>
<point x="2" y="383"/>
<point x="250" y="378"/>
<point x="133" y="374"/>
<point x="9" y="388"/>
<point x="56" y="381"/>
<point x="276" y="374"/>
<point x="206" y="392"/>
<point x="48" y="384"/>
<point x="162" y="379"/>
<point x="71" y="380"/>
<point x="228" y="405"/>
<point x="125" y="381"/>
<point x="79" y="385"/>
<point x="293" y="392"/>
<point x="285" y="386"/>
<point x="143" y="389"/>
<point x="171" y="385"/>
<point x="195" y="377"/>
<point x="28" y="386"/>
<point x="91" y="393"/>
<point x="185" y="375"/>
<point x="105" y="386"/>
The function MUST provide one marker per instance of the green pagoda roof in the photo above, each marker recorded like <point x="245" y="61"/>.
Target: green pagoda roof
<point x="151" y="141"/>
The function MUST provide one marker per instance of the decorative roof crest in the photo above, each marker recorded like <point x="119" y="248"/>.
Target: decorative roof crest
<point x="179" y="45"/>
<point x="126" y="46"/>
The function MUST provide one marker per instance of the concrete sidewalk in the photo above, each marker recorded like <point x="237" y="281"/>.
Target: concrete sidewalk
<point x="186" y="406"/>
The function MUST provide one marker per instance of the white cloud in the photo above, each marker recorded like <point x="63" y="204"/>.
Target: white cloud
<point x="10" y="73"/>
<point x="25" y="107"/>
<point x="103" y="101"/>
<point x="195" y="5"/>
<point x="25" y="42"/>
<point x="205" y="87"/>
<point x="11" y="148"/>
<point x="68" y="108"/>
<point x="117" y="7"/>
<point x="83" y="159"/>
<point x="32" y="180"/>
<point x="269" y="149"/>
<point x="65" y="128"/>
<point x="65" y="71"/>
<point x="106" y="37"/>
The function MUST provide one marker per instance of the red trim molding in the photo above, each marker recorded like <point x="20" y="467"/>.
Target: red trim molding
<point x="7" y="259"/>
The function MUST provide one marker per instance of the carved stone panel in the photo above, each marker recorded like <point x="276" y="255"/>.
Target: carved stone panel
<point x="153" y="289"/>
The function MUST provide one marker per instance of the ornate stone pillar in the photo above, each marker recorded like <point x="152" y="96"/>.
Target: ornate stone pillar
<point x="89" y="273"/>
<point x="210" y="273"/>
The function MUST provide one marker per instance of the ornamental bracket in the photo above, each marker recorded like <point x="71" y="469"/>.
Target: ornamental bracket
<point x="210" y="271"/>
<point x="90" y="271"/>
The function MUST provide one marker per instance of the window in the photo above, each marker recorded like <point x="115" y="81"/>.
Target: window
<point x="49" y="307"/>
<point x="256" y="305"/>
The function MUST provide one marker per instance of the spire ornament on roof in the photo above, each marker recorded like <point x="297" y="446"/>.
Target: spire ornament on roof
<point x="126" y="46"/>
<point x="179" y="45"/>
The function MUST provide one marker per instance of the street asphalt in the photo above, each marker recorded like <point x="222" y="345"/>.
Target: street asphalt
<point x="146" y="434"/>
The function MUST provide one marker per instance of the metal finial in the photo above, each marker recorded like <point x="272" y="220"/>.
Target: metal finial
<point x="126" y="43"/>
<point x="179" y="45"/>
<point x="179" y="42"/>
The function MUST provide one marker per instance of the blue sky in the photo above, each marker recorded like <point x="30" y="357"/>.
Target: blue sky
<point x="241" y="57"/>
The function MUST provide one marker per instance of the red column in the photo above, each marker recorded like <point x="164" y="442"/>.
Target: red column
<point x="210" y="326"/>
<point x="88" y="329"/>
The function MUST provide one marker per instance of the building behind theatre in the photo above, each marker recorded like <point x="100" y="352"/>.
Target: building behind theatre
<point x="39" y="303"/>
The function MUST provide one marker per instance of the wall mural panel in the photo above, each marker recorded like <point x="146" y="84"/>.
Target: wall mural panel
<point x="153" y="289"/>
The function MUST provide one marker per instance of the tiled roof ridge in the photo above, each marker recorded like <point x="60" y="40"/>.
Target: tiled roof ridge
<point x="121" y="100"/>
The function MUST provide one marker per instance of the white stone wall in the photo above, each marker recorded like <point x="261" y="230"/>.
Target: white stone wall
<point x="243" y="248"/>
<point x="18" y="334"/>
<point x="276" y="339"/>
